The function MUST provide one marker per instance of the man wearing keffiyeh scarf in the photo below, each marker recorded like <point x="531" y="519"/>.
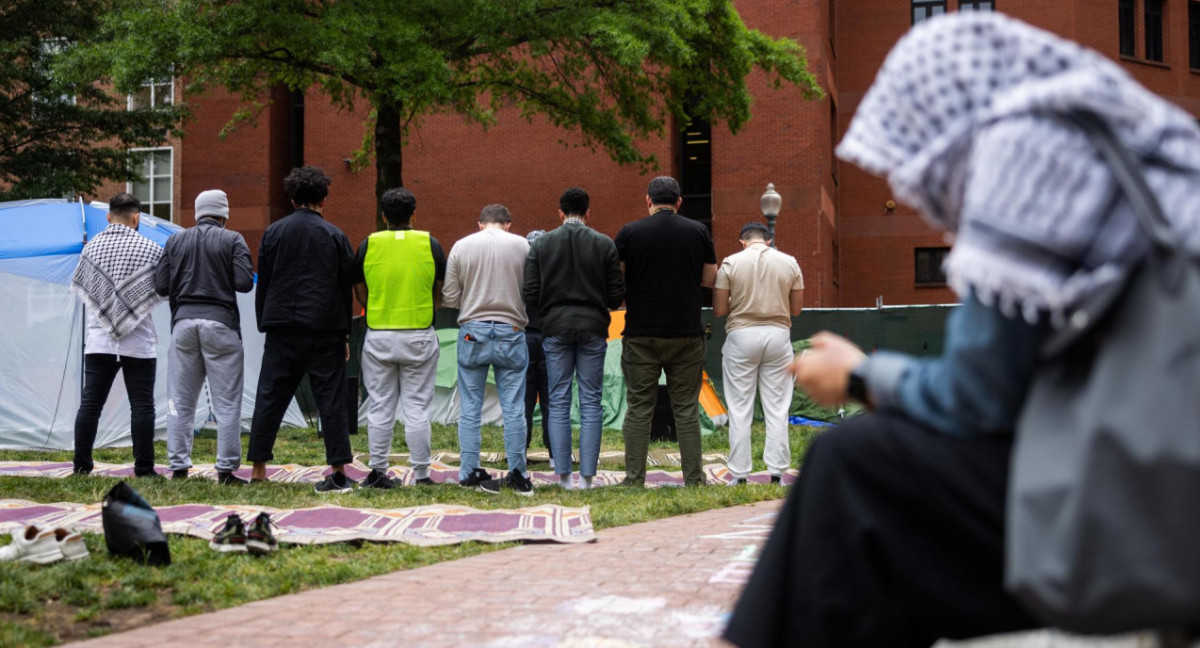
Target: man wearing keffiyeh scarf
<point x="115" y="281"/>
<point x="894" y="534"/>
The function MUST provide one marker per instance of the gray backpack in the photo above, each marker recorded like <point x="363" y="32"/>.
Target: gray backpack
<point x="1104" y="497"/>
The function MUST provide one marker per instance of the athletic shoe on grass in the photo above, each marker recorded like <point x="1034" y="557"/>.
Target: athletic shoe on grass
<point x="519" y="484"/>
<point x="378" y="479"/>
<point x="33" y="545"/>
<point x="231" y="539"/>
<point x="259" y="539"/>
<point x="336" y="482"/>
<point x="473" y="480"/>
<point x="70" y="543"/>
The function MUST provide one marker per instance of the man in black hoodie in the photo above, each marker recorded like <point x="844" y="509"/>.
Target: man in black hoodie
<point x="572" y="279"/>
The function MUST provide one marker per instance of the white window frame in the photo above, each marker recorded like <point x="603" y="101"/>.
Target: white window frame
<point x="148" y="205"/>
<point x="153" y="93"/>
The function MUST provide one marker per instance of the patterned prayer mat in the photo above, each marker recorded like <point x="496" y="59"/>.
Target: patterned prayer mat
<point x="716" y="473"/>
<point x="657" y="457"/>
<point x="435" y="524"/>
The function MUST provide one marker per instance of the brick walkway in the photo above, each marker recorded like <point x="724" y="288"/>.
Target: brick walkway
<point x="668" y="583"/>
<point x="664" y="584"/>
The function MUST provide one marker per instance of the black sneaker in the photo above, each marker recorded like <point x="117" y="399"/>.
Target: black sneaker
<point x="776" y="479"/>
<point x="378" y="479"/>
<point x="259" y="539"/>
<point x="179" y="474"/>
<point x="336" y="482"/>
<point x="473" y="480"/>
<point x="229" y="479"/>
<point x="424" y="481"/>
<point x="231" y="539"/>
<point x="519" y="483"/>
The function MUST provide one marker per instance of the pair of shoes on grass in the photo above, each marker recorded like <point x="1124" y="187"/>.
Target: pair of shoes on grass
<point x="224" y="477"/>
<point x="44" y="546"/>
<point x="236" y="538"/>
<point x="380" y="479"/>
<point x="515" y="480"/>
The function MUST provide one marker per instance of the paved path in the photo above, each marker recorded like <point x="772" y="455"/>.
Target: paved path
<point x="664" y="584"/>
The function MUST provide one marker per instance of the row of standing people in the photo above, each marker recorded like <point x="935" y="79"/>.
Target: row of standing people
<point x="568" y="280"/>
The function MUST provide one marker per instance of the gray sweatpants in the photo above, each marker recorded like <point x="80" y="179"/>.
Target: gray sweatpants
<point x="400" y="366"/>
<point x="201" y="348"/>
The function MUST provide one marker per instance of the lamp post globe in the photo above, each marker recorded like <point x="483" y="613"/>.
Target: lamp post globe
<point x="770" y="203"/>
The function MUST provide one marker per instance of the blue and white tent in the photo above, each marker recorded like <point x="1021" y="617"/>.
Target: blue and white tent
<point x="42" y="323"/>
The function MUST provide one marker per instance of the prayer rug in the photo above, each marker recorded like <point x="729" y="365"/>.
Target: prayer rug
<point x="716" y="473"/>
<point x="657" y="457"/>
<point x="435" y="524"/>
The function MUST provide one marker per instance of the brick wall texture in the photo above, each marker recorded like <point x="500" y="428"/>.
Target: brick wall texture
<point x="852" y="247"/>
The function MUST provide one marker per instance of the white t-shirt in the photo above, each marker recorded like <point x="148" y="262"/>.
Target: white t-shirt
<point x="141" y="342"/>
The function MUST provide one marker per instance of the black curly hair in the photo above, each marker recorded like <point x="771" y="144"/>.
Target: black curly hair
<point x="307" y="185"/>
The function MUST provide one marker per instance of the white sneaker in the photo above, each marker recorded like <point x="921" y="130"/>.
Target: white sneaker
<point x="71" y="544"/>
<point x="33" y="545"/>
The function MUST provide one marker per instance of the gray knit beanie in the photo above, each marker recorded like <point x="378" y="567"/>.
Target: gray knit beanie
<point x="213" y="202"/>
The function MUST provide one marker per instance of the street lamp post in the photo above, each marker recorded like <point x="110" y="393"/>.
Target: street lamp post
<point x="770" y="203"/>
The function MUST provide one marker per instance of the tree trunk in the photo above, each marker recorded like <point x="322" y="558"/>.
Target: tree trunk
<point x="389" y="156"/>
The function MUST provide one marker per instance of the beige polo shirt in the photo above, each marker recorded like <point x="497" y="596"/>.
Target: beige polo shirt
<point x="760" y="280"/>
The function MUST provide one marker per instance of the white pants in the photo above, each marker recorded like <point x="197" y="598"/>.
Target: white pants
<point x="757" y="357"/>
<point x="400" y="366"/>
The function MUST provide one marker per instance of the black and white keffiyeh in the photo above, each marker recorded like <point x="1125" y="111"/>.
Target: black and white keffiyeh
<point x="115" y="278"/>
<point x="960" y="122"/>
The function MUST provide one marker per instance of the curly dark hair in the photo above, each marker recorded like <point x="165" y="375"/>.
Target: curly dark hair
<point x="398" y="206"/>
<point x="574" y="202"/>
<point x="307" y="185"/>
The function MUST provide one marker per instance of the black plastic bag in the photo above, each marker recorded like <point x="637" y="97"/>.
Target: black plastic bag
<point x="132" y="528"/>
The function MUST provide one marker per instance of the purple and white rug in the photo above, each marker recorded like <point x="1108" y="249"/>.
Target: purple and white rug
<point x="435" y="524"/>
<point x="715" y="473"/>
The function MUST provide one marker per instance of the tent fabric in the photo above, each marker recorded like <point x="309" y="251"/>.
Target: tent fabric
<point x="41" y="353"/>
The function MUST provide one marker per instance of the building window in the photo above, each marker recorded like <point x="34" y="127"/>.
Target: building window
<point x="976" y="5"/>
<point x="923" y="9"/>
<point x="1194" y="34"/>
<point x="153" y="186"/>
<point x="929" y="266"/>
<point x="1154" y="30"/>
<point x="156" y="94"/>
<point x="1125" y="17"/>
<point x="695" y="171"/>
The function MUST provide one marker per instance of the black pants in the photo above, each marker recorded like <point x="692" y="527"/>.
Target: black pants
<point x="287" y="356"/>
<point x="99" y="371"/>
<point x="893" y="536"/>
<point x="537" y="389"/>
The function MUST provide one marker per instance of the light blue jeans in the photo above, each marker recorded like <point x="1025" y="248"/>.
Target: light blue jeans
<point x="579" y="355"/>
<point x="494" y="344"/>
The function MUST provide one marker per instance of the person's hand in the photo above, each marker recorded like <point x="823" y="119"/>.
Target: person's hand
<point x="347" y="352"/>
<point x="824" y="369"/>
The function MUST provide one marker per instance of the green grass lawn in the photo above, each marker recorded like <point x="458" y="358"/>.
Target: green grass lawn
<point x="44" y="605"/>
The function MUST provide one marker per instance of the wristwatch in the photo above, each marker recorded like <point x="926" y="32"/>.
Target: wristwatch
<point x="856" y="386"/>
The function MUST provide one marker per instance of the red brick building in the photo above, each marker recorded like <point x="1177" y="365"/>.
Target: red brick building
<point x="852" y="245"/>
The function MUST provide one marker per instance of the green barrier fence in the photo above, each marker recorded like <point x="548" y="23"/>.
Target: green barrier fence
<point x="916" y="330"/>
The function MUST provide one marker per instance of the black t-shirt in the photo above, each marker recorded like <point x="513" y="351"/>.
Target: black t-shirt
<point x="664" y="256"/>
<point x="439" y="260"/>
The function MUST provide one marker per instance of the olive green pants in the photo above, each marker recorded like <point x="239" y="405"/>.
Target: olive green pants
<point x="643" y="360"/>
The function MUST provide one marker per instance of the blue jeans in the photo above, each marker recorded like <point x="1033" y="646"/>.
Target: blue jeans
<point x="494" y="344"/>
<point x="580" y="355"/>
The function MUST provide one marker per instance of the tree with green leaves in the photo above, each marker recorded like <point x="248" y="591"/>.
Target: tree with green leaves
<point x="57" y="137"/>
<point x="612" y="71"/>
